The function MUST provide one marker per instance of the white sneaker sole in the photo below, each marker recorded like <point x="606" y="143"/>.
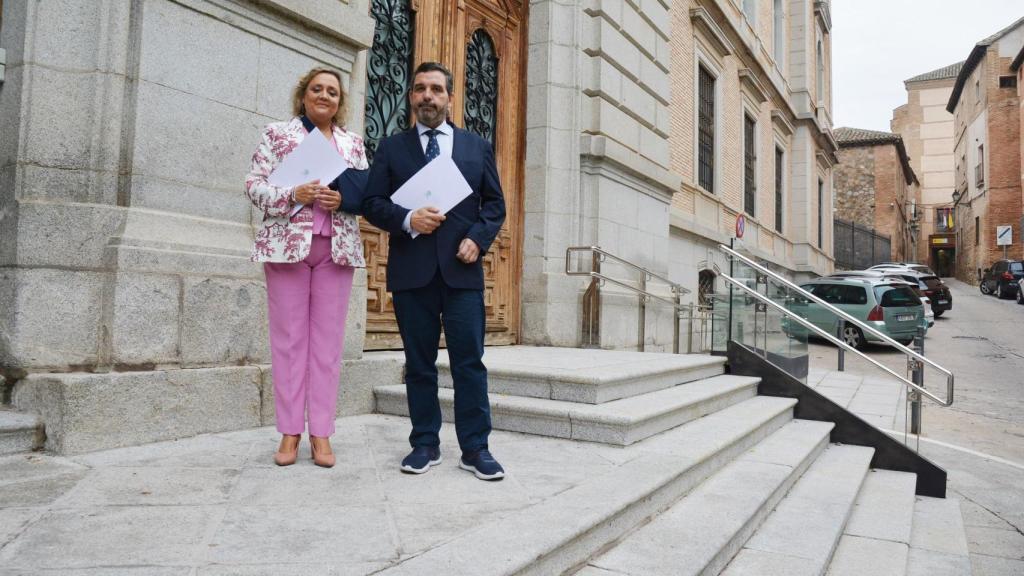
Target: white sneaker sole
<point x="481" y="475"/>
<point x="412" y="470"/>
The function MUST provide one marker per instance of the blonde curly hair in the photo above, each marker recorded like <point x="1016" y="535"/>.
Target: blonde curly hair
<point x="299" y="109"/>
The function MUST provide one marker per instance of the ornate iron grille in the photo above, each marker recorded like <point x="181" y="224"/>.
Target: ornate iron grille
<point x="779" y="167"/>
<point x="706" y="130"/>
<point x="388" y="71"/>
<point x="749" y="166"/>
<point x="480" y="112"/>
<point x="705" y="287"/>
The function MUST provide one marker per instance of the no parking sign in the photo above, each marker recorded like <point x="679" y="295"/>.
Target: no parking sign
<point x="741" y="225"/>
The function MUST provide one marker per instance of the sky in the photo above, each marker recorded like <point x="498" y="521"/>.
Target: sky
<point x="877" y="44"/>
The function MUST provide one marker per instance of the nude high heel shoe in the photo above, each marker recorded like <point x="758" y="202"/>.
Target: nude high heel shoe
<point x="322" y="455"/>
<point x="284" y="456"/>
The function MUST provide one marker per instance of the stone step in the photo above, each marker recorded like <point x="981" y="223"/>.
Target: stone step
<point x="701" y="532"/>
<point x="877" y="537"/>
<point x="562" y="532"/>
<point x="938" y="540"/>
<point x="585" y="375"/>
<point x="620" y="422"/>
<point x="20" y="432"/>
<point x="800" y="536"/>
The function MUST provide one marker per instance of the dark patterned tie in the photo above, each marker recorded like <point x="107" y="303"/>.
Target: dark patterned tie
<point x="433" y="149"/>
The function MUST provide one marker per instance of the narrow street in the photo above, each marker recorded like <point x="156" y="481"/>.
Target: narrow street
<point x="979" y="440"/>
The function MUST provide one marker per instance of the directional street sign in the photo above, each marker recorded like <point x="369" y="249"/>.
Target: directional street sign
<point x="1004" y="235"/>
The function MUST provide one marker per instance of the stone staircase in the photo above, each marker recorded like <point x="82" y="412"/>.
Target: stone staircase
<point x="718" y="480"/>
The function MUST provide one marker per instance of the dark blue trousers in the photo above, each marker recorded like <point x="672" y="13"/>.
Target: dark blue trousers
<point x="421" y="313"/>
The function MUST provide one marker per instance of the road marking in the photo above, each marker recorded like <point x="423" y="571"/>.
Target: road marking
<point x="997" y="459"/>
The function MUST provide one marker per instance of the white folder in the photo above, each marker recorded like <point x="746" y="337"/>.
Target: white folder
<point x="314" y="158"/>
<point x="439" y="184"/>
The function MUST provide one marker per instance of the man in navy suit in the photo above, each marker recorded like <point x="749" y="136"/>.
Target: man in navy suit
<point x="437" y="279"/>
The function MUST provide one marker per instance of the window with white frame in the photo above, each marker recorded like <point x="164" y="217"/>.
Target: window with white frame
<point x="779" y="19"/>
<point x="819" y="58"/>
<point x="750" y="11"/>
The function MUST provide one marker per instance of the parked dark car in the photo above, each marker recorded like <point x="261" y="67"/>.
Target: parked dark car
<point x="936" y="290"/>
<point x="1002" y="278"/>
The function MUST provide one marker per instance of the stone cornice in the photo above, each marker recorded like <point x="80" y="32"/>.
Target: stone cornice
<point x="702" y="19"/>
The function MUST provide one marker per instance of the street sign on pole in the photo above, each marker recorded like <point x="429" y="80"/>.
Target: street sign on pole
<point x="741" y="225"/>
<point x="1004" y="235"/>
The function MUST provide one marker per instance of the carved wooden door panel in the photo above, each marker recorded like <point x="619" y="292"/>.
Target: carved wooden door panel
<point x="482" y="42"/>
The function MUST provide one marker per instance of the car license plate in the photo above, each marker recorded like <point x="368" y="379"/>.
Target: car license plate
<point x="904" y="317"/>
<point x="943" y="301"/>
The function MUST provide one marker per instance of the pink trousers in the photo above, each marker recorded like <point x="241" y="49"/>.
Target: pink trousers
<point x="307" y="303"/>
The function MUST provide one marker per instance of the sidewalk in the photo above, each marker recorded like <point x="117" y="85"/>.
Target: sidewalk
<point x="216" y="504"/>
<point x="877" y="400"/>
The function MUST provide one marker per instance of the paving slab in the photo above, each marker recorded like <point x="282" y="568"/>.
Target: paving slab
<point x="922" y="562"/>
<point x="110" y="536"/>
<point x="939" y="526"/>
<point x="885" y="507"/>
<point x="993" y="566"/>
<point x="856" y="556"/>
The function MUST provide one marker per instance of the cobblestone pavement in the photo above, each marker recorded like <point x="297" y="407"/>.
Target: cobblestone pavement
<point x="980" y="439"/>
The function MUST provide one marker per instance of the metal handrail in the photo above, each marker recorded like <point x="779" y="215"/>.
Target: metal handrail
<point x="677" y="288"/>
<point x="848" y="318"/>
<point x="591" y="298"/>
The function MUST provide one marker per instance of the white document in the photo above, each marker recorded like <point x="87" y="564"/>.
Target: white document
<point x="314" y="158"/>
<point x="439" y="184"/>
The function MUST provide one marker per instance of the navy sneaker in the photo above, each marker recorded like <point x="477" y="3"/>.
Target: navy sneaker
<point x="421" y="459"/>
<point x="482" y="465"/>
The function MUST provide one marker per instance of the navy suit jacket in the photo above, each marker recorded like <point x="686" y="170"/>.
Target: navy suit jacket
<point x="412" y="262"/>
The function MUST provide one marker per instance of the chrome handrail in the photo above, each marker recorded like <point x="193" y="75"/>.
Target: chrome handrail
<point x="677" y="288"/>
<point x="591" y="298"/>
<point x="848" y="318"/>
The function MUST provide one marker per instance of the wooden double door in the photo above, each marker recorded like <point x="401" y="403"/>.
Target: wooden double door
<point x="483" y="43"/>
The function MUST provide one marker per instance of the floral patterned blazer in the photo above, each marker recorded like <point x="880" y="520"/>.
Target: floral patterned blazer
<point x="284" y="239"/>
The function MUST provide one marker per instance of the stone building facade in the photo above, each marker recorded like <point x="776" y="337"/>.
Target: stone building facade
<point x="927" y="131"/>
<point x="986" y="108"/>
<point x="768" y="63"/>
<point x="124" y="233"/>
<point x="876" y="186"/>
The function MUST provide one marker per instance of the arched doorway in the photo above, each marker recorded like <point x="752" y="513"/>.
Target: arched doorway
<point x="483" y="43"/>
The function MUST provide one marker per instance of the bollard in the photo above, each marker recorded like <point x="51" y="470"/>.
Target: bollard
<point x="917" y="377"/>
<point x="842" y="351"/>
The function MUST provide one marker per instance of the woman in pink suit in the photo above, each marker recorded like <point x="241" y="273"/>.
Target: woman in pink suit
<point x="309" y="259"/>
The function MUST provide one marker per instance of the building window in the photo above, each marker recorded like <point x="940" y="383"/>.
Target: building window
<point x="779" y="171"/>
<point x="979" y="168"/>
<point x="944" y="221"/>
<point x="705" y="287"/>
<point x="820" y="71"/>
<point x="389" y="68"/>
<point x="750" y="11"/>
<point x="749" y="164"/>
<point x="706" y="130"/>
<point x="481" y="92"/>
<point x="1007" y="81"/>
<point x="977" y="89"/>
<point x="821" y="213"/>
<point x="779" y="18"/>
<point x="977" y="230"/>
